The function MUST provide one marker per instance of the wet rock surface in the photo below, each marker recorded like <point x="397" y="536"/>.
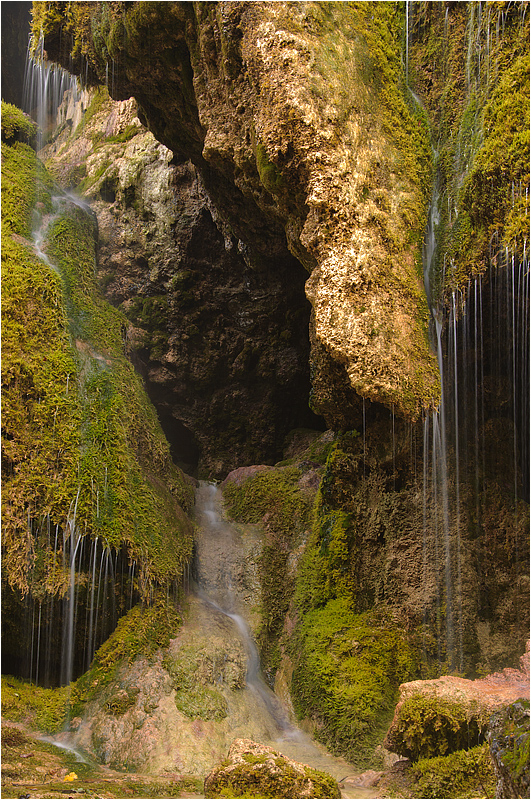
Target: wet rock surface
<point x="508" y="738"/>
<point x="219" y="336"/>
<point x="260" y="98"/>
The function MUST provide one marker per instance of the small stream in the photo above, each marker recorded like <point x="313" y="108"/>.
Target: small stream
<point x="224" y="584"/>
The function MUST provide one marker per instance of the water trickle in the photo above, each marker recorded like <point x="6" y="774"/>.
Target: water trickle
<point x="221" y="588"/>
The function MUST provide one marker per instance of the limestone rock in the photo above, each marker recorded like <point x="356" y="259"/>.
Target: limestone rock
<point x="255" y="770"/>
<point x="220" y="341"/>
<point x="508" y="739"/>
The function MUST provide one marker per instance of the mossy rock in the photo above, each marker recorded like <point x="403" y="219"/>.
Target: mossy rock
<point x="509" y="747"/>
<point x="254" y="770"/>
<point x="77" y="425"/>
<point x="347" y="668"/>
<point x="428" y="726"/>
<point x="39" y="708"/>
<point x="465" y="773"/>
<point x="141" y="632"/>
<point x="17" y="126"/>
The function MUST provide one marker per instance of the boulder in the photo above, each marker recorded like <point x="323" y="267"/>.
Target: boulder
<point x="439" y="716"/>
<point x="255" y="770"/>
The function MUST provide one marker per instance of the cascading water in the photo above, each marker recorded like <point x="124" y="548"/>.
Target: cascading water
<point x="222" y="583"/>
<point x="94" y="585"/>
<point x="45" y="85"/>
<point x="481" y="336"/>
<point x="216" y="572"/>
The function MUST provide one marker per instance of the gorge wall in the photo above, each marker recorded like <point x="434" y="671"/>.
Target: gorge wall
<point x="309" y="148"/>
<point x="222" y="345"/>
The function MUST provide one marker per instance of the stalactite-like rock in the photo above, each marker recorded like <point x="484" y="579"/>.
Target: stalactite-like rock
<point x="296" y="118"/>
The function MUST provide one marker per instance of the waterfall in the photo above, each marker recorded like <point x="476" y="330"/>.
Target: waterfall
<point x="481" y="337"/>
<point x="45" y="85"/>
<point x="217" y="555"/>
<point x="72" y="616"/>
<point x="64" y="630"/>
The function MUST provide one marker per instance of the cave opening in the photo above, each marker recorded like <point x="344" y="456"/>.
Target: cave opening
<point x="184" y="449"/>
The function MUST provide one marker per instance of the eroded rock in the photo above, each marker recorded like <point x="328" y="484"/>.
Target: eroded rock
<point x="508" y="739"/>
<point x="300" y="149"/>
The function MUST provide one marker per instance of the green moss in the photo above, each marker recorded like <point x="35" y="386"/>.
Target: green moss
<point x="430" y="726"/>
<point x="77" y="426"/>
<point x="16" y="125"/>
<point x="143" y="631"/>
<point x="38" y="708"/>
<point x="203" y="702"/>
<point x="472" y="72"/>
<point x="509" y="741"/>
<point x="466" y="773"/>
<point x="197" y="671"/>
<point x="347" y="668"/>
<point x="274" y="493"/>
<point x="269" y="173"/>
<point x="121" y="702"/>
<point x="259" y="777"/>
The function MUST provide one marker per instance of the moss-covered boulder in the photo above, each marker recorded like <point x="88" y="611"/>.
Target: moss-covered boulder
<point x="438" y="717"/>
<point x="465" y="773"/>
<point x="254" y="770"/>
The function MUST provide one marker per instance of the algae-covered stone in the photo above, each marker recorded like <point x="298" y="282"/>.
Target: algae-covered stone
<point x="255" y="770"/>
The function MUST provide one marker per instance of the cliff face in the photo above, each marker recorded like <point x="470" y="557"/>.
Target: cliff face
<point x="88" y="481"/>
<point x="297" y="118"/>
<point x="288" y="145"/>
<point x="222" y="346"/>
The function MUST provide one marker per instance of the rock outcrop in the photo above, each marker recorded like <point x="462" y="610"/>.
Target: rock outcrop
<point x="438" y="716"/>
<point x="296" y="118"/>
<point x="222" y="346"/>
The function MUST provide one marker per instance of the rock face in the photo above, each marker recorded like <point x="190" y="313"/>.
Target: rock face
<point x="16" y="19"/>
<point x="222" y="345"/>
<point x="301" y="148"/>
<point x="254" y="770"/>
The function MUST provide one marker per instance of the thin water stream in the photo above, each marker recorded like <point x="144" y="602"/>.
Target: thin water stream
<point x="226" y="586"/>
